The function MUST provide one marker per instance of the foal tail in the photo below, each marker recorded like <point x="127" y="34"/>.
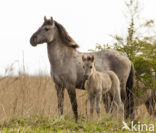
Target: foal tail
<point x="115" y="86"/>
<point x="129" y="89"/>
<point x="115" y="92"/>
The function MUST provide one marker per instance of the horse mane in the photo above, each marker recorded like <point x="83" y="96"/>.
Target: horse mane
<point x="65" y="36"/>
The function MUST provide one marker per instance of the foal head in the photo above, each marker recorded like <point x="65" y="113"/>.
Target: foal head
<point x="88" y="66"/>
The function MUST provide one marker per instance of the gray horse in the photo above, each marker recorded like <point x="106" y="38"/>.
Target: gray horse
<point x="67" y="66"/>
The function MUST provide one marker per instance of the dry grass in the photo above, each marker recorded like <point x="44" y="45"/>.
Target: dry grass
<point x="23" y="97"/>
<point x="31" y="95"/>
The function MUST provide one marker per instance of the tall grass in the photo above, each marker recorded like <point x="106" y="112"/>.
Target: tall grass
<point x="24" y="96"/>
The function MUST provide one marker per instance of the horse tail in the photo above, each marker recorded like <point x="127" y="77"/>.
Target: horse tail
<point x="130" y="91"/>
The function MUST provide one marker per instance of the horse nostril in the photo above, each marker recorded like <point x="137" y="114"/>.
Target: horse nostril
<point x="35" y="39"/>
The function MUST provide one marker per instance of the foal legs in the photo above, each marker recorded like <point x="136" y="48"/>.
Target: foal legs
<point x="60" y="98"/>
<point x="98" y="104"/>
<point x="107" y="99"/>
<point x="92" y="100"/>
<point x="118" y="103"/>
<point x="86" y="102"/>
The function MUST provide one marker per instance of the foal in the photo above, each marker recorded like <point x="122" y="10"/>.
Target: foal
<point x="97" y="84"/>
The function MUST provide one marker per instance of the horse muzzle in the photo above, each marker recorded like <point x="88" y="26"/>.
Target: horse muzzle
<point x="33" y="40"/>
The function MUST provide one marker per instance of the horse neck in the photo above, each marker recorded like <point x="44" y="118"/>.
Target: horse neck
<point x="58" y="52"/>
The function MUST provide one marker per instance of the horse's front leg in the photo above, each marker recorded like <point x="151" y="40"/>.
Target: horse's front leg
<point x="72" y="95"/>
<point x="92" y="100"/>
<point x="60" y="98"/>
<point x="86" y="102"/>
<point x="98" y="104"/>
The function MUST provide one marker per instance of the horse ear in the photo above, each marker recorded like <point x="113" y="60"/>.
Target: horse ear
<point x="52" y="21"/>
<point x="83" y="58"/>
<point x="92" y="59"/>
<point x="45" y="18"/>
<point x="51" y="18"/>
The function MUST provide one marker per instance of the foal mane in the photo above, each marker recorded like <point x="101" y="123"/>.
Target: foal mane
<point x="65" y="36"/>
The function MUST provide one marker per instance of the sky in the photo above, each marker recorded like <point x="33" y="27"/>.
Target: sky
<point x="89" y="22"/>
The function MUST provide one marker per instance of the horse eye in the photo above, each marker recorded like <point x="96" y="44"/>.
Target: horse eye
<point x="83" y="66"/>
<point x="46" y="29"/>
<point x="90" y="67"/>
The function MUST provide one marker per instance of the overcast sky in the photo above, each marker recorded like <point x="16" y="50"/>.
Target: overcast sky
<point x="87" y="21"/>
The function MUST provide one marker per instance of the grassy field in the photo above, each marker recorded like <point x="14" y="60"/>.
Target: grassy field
<point x="28" y="104"/>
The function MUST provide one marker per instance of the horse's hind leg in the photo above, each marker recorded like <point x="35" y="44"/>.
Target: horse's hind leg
<point x="60" y="97"/>
<point x="128" y="108"/>
<point x="72" y="95"/>
<point x="118" y="102"/>
<point x="150" y="105"/>
<point x="98" y="106"/>
<point x="107" y="100"/>
<point x="123" y="90"/>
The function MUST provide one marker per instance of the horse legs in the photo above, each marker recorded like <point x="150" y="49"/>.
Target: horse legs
<point x="123" y="90"/>
<point x="86" y="102"/>
<point x="72" y="96"/>
<point x="107" y="99"/>
<point x="126" y="100"/>
<point x="92" y="100"/>
<point x="118" y="102"/>
<point x="98" y="106"/>
<point x="60" y="97"/>
<point x="150" y="104"/>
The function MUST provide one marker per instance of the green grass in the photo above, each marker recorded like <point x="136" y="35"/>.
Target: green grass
<point x="40" y="124"/>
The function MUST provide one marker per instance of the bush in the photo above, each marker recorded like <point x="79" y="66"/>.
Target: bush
<point x="140" y="49"/>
